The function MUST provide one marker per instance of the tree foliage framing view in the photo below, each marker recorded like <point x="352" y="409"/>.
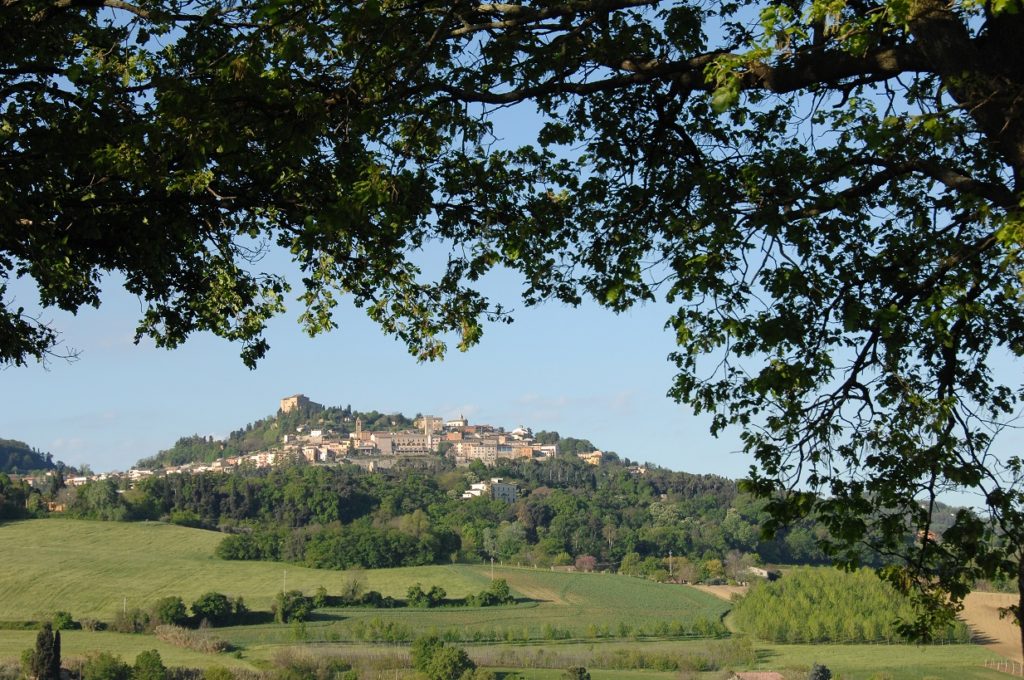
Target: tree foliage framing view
<point x="829" y="192"/>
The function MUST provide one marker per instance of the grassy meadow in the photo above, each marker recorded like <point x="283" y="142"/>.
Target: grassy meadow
<point x="93" y="569"/>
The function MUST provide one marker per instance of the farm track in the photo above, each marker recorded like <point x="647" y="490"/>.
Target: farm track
<point x="981" y="612"/>
<point x="722" y="592"/>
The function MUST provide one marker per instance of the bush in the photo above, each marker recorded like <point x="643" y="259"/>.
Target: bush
<point x="130" y="621"/>
<point x="197" y="640"/>
<point x="448" y="663"/>
<point x="819" y="672"/>
<point x="303" y="666"/>
<point x="105" y="666"/>
<point x="375" y="599"/>
<point x="497" y="594"/>
<point x="576" y="673"/>
<point x="415" y="597"/>
<point x="292" y="606"/>
<point x="483" y="674"/>
<point x="214" y="607"/>
<point x="149" y="666"/>
<point x="320" y="598"/>
<point x="169" y="611"/>
<point x="423" y="649"/>
<point x="92" y="625"/>
<point x="63" y="621"/>
<point x="217" y="673"/>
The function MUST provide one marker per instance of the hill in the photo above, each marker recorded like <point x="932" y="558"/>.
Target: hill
<point x="265" y="433"/>
<point x="17" y="456"/>
<point x="93" y="569"/>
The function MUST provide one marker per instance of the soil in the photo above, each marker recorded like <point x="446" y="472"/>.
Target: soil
<point x="981" y="612"/>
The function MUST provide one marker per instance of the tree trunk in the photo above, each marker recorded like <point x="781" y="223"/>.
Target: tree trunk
<point x="1019" y="613"/>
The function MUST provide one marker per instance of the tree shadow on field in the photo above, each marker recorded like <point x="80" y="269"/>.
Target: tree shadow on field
<point x="763" y="655"/>
<point x="255" y="618"/>
<point x="325" y="616"/>
<point x="979" y="638"/>
<point x="525" y="602"/>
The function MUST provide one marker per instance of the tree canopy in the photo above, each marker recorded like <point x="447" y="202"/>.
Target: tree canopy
<point x="828" y="192"/>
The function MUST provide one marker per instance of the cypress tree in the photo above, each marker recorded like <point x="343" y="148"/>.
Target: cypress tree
<point x="54" y="668"/>
<point x="47" y="655"/>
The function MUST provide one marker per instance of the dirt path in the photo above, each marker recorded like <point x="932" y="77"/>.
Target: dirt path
<point x="981" y="612"/>
<point x="723" y="592"/>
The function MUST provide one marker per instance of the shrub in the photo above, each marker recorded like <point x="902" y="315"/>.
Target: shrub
<point x="374" y="599"/>
<point x="415" y="596"/>
<point x="423" y="649"/>
<point x="576" y="673"/>
<point x="498" y="593"/>
<point x="149" y="666"/>
<point x="105" y="666"/>
<point x="186" y="518"/>
<point x="294" y="665"/>
<point x="130" y="621"/>
<point x="238" y="609"/>
<point x="214" y="607"/>
<point x="169" y="611"/>
<point x="197" y="640"/>
<point x="92" y="625"/>
<point x="353" y="588"/>
<point x="483" y="674"/>
<point x="320" y="598"/>
<point x="292" y="606"/>
<point x="819" y="672"/>
<point x="448" y="663"/>
<point x="217" y="673"/>
<point x="63" y="621"/>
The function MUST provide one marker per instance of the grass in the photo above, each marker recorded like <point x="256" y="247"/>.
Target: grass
<point x="92" y="569"/>
<point x="79" y="643"/>
<point x="895" y="662"/>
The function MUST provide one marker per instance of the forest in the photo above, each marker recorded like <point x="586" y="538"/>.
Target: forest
<point x="17" y="456"/>
<point x="567" y="513"/>
<point x="658" y="523"/>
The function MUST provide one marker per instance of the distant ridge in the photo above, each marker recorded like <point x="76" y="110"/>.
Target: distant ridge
<point x="17" y="457"/>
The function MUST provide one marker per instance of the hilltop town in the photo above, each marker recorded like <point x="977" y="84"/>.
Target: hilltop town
<point x="428" y="439"/>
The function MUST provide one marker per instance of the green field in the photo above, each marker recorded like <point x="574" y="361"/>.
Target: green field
<point x="93" y="569"/>
<point x="89" y="568"/>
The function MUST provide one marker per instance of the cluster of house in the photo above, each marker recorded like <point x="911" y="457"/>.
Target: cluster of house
<point x="375" y="450"/>
<point x="383" y="449"/>
<point x="495" y="488"/>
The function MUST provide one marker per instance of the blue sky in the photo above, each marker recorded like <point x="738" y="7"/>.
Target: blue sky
<point x="584" y="372"/>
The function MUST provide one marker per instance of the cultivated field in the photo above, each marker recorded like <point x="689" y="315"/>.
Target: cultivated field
<point x="93" y="569"/>
<point x="981" y="612"/>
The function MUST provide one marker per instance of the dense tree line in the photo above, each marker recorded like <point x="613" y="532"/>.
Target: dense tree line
<point x="338" y="517"/>
<point x="359" y="544"/>
<point x="16" y="498"/>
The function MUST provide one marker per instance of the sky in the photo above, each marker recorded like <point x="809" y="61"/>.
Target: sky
<point x="584" y="372"/>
